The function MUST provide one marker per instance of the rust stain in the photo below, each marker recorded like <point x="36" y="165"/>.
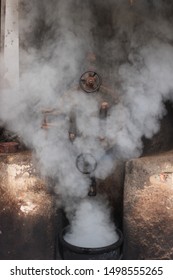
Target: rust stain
<point x="165" y="178"/>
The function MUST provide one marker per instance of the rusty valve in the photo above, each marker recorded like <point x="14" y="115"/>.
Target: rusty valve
<point x="90" y="81"/>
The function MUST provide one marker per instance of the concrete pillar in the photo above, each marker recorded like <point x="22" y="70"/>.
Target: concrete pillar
<point x="27" y="212"/>
<point x="11" y="42"/>
<point x="148" y="208"/>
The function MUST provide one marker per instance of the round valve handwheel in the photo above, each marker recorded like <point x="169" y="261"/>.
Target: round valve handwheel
<point x="90" y="81"/>
<point x="86" y="163"/>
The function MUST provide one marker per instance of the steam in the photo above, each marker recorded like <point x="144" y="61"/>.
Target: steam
<point x="134" y="46"/>
<point x="96" y="230"/>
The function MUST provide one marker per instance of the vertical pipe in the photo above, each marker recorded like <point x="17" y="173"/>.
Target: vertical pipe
<point x="2" y="31"/>
<point x="72" y="127"/>
<point x="92" y="189"/>
<point x="103" y="116"/>
<point x="131" y="2"/>
<point x="2" y="24"/>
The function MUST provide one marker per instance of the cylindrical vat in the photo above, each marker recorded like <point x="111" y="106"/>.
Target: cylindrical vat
<point x="71" y="252"/>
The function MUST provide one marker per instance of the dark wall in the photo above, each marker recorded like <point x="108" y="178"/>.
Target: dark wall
<point x="163" y="140"/>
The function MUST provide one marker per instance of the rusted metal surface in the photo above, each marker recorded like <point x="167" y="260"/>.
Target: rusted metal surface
<point x="26" y="210"/>
<point x="93" y="187"/>
<point x="148" y="208"/>
<point x="11" y="44"/>
<point x="131" y="2"/>
<point x="9" y="147"/>
<point x="72" y="127"/>
<point x="90" y="82"/>
<point x="72" y="136"/>
<point x="104" y="110"/>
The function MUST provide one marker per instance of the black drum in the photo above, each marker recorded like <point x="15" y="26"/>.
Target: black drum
<point x="72" y="252"/>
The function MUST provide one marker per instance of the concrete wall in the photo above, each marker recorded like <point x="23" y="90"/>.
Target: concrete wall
<point x="2" y="22"/>
<point x="148" y="208"/>
<point x="27" y="213"/>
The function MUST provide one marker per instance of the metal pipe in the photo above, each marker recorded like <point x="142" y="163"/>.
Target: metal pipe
<point x="93" y="185"/>
<point x="103" y="113"/>
<point x="104" y="110"/>
<point x="72" y="127"/>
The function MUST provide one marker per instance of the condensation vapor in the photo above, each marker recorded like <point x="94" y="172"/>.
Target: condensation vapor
<point x="134" y="46"/>
<point x="91" y="226"/>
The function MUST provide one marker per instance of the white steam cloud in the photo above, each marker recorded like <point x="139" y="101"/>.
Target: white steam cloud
<point x="136" y="44"/>
<point x="96" y="230"/>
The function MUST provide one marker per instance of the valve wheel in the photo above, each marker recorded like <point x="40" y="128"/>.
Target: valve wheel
<point x="90" y="82"/>
<point x="86" y="163"/>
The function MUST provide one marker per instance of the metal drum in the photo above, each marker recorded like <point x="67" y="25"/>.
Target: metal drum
<point x="71" y="252"/>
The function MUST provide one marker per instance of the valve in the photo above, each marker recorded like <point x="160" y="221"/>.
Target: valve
<point x="90" y="82"/>
<point x="86" y="163"/>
